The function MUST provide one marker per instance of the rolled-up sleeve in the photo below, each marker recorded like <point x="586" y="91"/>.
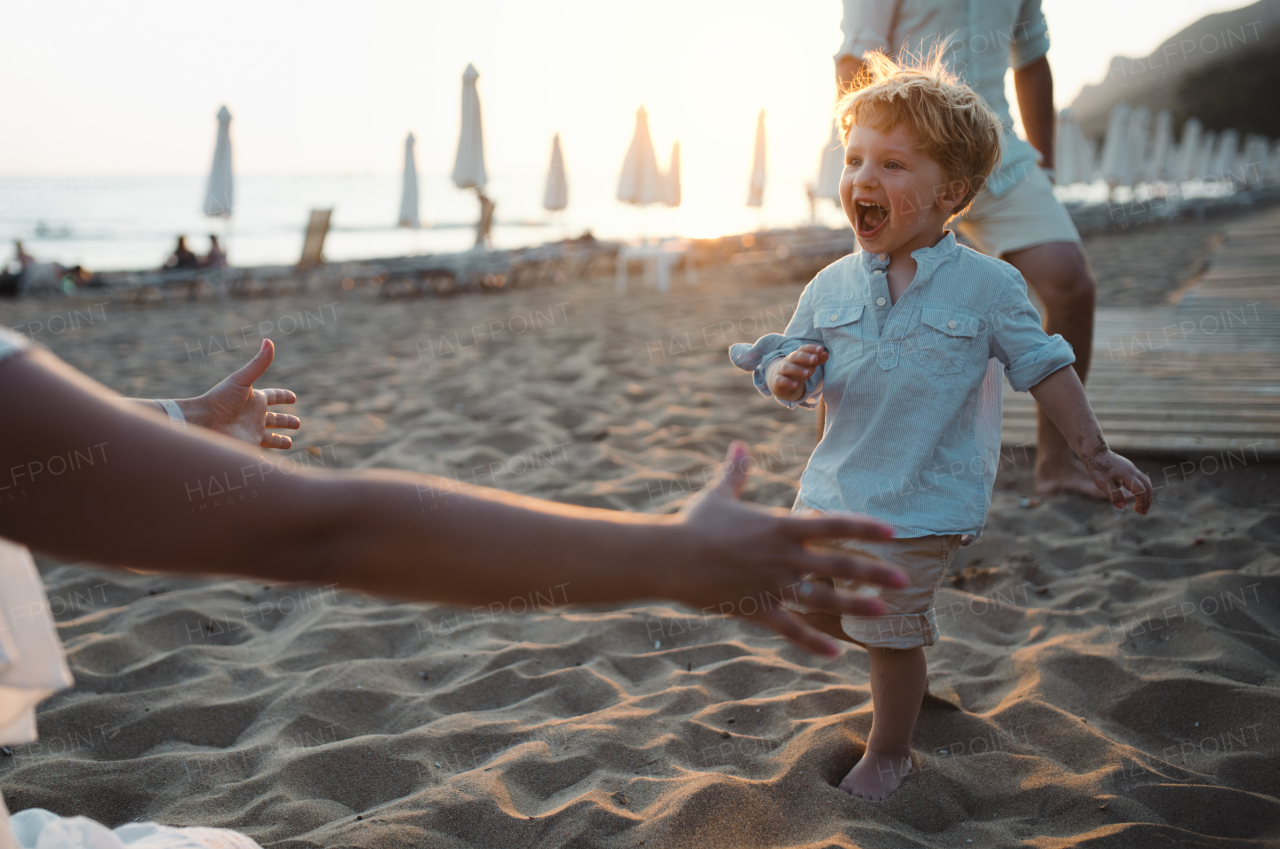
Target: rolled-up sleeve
<point x="865" y="26"/>
<point x="1028" y="353"/>
<point x="757" y="357"/>
<point x="1030" y="38"/>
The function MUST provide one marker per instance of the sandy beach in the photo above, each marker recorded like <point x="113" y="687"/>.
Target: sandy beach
<point x="1104" y="679"/>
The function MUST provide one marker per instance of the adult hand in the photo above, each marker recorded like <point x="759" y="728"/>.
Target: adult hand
<point x="763" y="554"/>
<point x="236" y="409"/>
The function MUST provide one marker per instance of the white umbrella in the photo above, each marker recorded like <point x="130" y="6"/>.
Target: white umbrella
<point x="409" y="196"/>
<point x="755" y="194"/>
<point x="1188" y="151"/>
<point x="1139" y="127"/>
<point x="671" y="195"/>
<point x="468" y="167"/>
<point x="1224" y="158"/>
<point x="1162" y="151"/>
<point x="1115" y="149"/>
<point x="218" y="194"/>
<point x="830" y="167"/>
<point x="1204" y="157"/>
<point x="641" y="181"/>
<point x="556" y="196"/>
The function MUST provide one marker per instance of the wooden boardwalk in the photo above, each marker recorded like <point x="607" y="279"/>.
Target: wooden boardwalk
<point x="1199" y="375"/>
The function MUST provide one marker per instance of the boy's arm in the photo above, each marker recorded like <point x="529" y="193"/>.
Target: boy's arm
<point x="1062" y="396"/>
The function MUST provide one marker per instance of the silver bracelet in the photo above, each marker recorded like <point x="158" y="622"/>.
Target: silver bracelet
<point x="175" y="412"/>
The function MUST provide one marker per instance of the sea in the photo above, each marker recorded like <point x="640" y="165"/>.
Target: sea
<point x="130" y="223"/>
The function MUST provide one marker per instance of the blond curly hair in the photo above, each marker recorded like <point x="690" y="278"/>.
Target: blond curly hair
<point x="951" y="122"/>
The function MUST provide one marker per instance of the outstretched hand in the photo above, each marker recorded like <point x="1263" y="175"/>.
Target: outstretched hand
<point x="236" y="409"/>
<point x="763" y="554"/>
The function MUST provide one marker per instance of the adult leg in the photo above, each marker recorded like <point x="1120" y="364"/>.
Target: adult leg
<point x="1060" y="275"/>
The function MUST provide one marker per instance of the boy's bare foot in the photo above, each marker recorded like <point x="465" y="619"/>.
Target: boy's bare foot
<point x="1066" y="475"/>
<point x="876" y="776"/>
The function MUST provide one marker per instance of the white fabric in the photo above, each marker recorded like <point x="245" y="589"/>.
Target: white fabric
<point x="671" y="195"/>
<point x="176" y="418"/>
<point x="468" y="167"/>
<point x="409" y="194"/>
<point x="556" y="196"/>
<point x="218" y="195"/>
<point x="830" y="167"/>
<point x="755" y="194"/>
<point x="36" y="828"/>
<point x="641" y="181"/>
<point x="31" y="663"/>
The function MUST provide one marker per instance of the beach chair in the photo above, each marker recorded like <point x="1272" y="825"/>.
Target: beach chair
<point x="313" y="244"/>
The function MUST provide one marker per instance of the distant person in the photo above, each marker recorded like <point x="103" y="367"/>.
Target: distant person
<point x="11" y="274"/>
<point x="182" y="257"/>
<point x="907" y="329"/>
<point x="1017" y="217"/>
<point x="216" y="258"/>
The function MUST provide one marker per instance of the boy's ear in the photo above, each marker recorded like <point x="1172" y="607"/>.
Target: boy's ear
<point x="951" y="193"/>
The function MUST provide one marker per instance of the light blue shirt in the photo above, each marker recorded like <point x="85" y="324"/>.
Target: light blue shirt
<point x="913" y="389"/>
<point x="987" y="37"/>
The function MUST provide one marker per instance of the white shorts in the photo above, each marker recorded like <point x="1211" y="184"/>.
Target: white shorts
<point x="1025" y="216"/>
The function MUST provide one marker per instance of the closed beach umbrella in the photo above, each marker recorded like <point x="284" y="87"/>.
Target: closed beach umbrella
<point x="1139" y="131"/>
<point x="1158" y="168"/>
<point x="830" y="167"/>
<point x="1064" y="150"/>
<point x="1224" y="159"/>
<point x="641" y="181"/>
<point x="1188" y="151"/>
<point x="671" y="183"/>
<point x="1204" y="157"/>
<point x="409" y="195"/>
<point x="556" y="196"/>
<point x="218" y="194"/>
<point x="755" y="195"/>
<point x="468" y="166"/>
<point x="1115" y="149"/>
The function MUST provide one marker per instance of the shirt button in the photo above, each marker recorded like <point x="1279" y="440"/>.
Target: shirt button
<point x="834" y="316"/>
<point x="952" y="324"/>
<point x="878" y="271"/>
<point x="879" y="302"/>
<point x="882" y="257"/>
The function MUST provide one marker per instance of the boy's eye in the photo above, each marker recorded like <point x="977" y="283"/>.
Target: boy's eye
<point x="892" y="164"/>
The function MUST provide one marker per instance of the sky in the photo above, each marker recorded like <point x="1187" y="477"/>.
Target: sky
<point x="132" y="87"/>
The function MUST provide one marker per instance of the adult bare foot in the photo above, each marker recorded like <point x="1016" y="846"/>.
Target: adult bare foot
<point x="876" y="776"/>
<point x="1066" y="475"/>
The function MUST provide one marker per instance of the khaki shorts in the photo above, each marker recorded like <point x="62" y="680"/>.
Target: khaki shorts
<point x="910" y="620"/>
<point x="1023" y="217"/>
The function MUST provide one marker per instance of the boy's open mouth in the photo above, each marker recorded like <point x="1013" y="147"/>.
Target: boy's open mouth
<point x="871" y="218"/>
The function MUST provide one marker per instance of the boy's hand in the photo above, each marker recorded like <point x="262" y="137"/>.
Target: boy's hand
<point x="787" y="380"/>
<point x="236" y="409"/>
<point x="1113" y="474"/>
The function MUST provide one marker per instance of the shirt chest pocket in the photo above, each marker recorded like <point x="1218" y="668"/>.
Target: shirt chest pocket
<point x="842" y="330"/>
<point x="943" y="340"/>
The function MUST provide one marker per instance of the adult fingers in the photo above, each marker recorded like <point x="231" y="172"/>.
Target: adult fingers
<point x="283" y="420"/>
<point x="276" y="440"/>
<point x="256" y="367"/>
<point x="732" y="476"/>
<point x="279" y="396"/>
<point x="787" y="624"/>
<point x="846" y="526"/>
<point x="867" y="570"/>
<point x="822" y="597"/>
